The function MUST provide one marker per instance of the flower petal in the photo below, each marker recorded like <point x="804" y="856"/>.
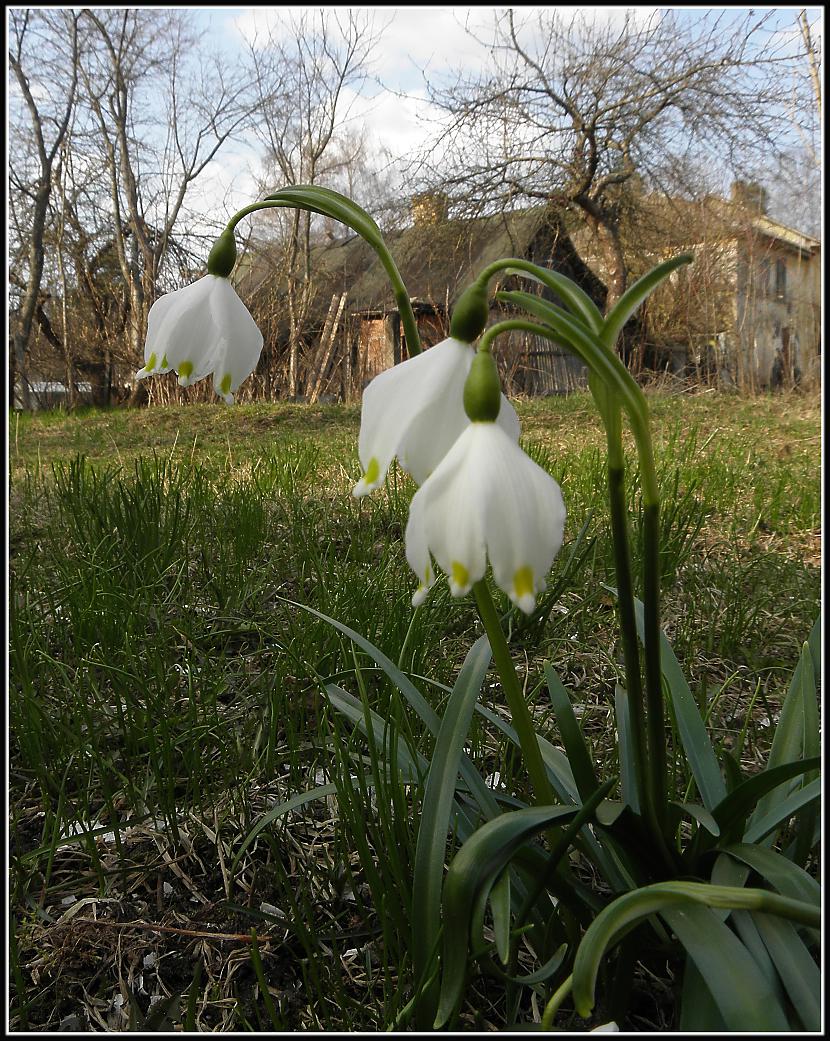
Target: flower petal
<point x="525" y="517"/>
<point x="238" y="340"/>
<point x="395" y="399"/>
<point x="178" y="326"/>
<point x="417" y="551"/>
<point x="453" y="515"/>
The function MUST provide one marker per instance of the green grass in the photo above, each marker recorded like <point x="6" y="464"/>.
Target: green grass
<point x="165" y="693"/>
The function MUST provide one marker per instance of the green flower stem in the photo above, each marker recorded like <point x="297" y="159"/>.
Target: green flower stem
<point x="653" y="669"/>
<point x="367" y="231"/>
<point x="515" y="697"/>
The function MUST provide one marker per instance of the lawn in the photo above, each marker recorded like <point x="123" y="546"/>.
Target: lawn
<point x="167" y="688"/>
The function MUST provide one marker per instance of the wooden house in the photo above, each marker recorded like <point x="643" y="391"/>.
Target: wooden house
<point x="438" y="257"/>
<point x="747" y="312"/>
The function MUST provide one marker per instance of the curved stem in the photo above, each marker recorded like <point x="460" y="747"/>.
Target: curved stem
<point x="515" y="697"/>
<point x="569" y="291"/>
<point x="368" y="232"/>
<point x="552" y="1006"/>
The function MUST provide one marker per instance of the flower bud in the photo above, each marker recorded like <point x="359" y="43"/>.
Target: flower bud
<point x="222" y="256"/>
<point x="482" y="391"/>
<point x="470" y="314"/>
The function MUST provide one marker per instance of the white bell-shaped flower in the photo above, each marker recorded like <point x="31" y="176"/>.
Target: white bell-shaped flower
<point x="415" y="410"/>
<point x="201" y="329"/>
<point x="486" y="500"/>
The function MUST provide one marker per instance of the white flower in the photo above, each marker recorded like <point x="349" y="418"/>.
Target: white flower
<point x="486" y="500"/>
<point x="200" y="329"/>
<point x="415" y="410"/>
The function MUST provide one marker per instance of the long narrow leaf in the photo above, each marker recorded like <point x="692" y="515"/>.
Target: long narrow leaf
<point x="788" y="878"/>
<point x="574" y="297"/>
<point x="788" y="739"/>
<point x="734" y="809"/>
<point x="439" y="794"/>
<point x="484" y="797"/>
<point x="800" y="798"/>
<point x="696" y="743"/>
<point x="744" y="997"/>
<point x="698" y="1011"/>
<point x="799" y="973"/>
<point x="619" y="917"/>
<point x="577" y="750"/>
<point x="634" y="296"/>
<point x="471" y="873"/>
<point x="348" y="705"/>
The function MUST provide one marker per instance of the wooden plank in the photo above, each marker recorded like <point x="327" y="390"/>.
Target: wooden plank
<point x="327" y="344"/>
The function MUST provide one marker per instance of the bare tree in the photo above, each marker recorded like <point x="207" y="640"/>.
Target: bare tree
<point x="43" y="48"/>
<point x="589" y="112"/>
<point x="302" y="69"/>
<point x="160" y="119"/>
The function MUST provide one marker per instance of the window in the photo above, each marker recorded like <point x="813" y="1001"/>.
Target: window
<point x="780" y="279"/>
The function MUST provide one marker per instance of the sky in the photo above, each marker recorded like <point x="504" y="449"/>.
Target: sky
<point x="417" y="42"/>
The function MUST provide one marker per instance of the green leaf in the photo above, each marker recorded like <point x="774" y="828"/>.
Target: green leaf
<point x="574" y="297"/>
<point x="500" y="907"/>
<point x="415" y="766"/>
<point x="743" y="996"/>
<point x="576" y="749"/>
<point x="788" y="742"/>
<point x="788" y="878"/>
<point x="796" y="967"/>
<point x="471" y="873"/>
<point x="482" y="794"/>
<point x="744" y="924"/>
<point x="732" y="812"/>
<point x="439" y="794"/>
<point x="698" y="1011"/>
<point x="800" y="798"/>
<point x="556" y="762"/>
<point x="698" y="813"/>
<point x="625" y="913"/>
<point x="320" y="792"/>
<point x="544" y="972"/>
<point x="699" y="752"/>
<point x="635" y="295"/>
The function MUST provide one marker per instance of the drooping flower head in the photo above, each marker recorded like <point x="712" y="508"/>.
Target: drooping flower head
<point x="415" y="411"/>
<point x="204" y="328"/>
<point x="486" y="500"/>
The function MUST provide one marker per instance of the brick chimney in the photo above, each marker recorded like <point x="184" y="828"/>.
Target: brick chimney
<point x="750" y="195"/>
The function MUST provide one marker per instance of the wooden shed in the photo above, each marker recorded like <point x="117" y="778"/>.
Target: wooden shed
<point x="438" y="258"/>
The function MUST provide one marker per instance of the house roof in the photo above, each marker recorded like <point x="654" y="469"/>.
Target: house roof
<point x="437" y="261"/>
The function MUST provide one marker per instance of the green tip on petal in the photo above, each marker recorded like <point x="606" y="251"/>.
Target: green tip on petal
<point x="164" y="362"/>
<point x="151" y="362"/>
<point x="459" y="577"/>
<point x="225" y="385"/>
<point x="523" y="589"/>
<point x="186" y="370"/>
